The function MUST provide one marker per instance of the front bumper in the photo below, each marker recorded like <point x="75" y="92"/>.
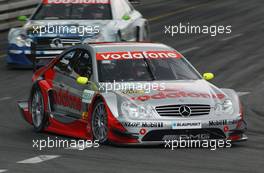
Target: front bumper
<point x="157" y="132"/>
<point x="22" y="57"/>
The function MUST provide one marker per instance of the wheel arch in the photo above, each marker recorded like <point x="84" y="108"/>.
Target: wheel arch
<point x="109" y="99"/>
<point x="45" y="89"/>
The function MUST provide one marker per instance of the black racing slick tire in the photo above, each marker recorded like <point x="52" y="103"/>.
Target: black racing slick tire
<point x="100" y="122"/>
<point x="37" y="109"/>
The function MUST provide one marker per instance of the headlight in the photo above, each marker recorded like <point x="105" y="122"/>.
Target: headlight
<point x="225" y="108"/>
<point x="22" y="41"/>
<point x="134" y="111"/>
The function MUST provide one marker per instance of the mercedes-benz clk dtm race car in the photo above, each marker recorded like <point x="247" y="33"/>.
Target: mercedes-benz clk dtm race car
<point x="130" y="93"/>
<point x="59" y="24"/>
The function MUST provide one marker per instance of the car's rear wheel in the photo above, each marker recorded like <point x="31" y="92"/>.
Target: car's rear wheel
<point x="37" y="111"/>
<point x="100" y="123"/>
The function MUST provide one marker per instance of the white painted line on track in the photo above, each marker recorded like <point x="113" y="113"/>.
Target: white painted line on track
<point x="3" y="170"/>
<point x="189" y="50"/>
<point x="243" y="93"/>
<point x="39" y="159"/>
<point x="232" y="37"/>
<point x="5" y="98"/>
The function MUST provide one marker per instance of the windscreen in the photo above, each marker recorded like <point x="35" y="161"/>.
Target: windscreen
<point x="144" y="68"/>
<point x="73" y="12"/>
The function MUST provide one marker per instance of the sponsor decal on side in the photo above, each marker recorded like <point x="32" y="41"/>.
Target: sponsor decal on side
<point x="85" y="115"/>
<point x="87" y="96"/>
<point x="133" y="92"/>
<point x="137" y="55"/>
<point x="143" y="124"/>
<point x="187" y="125"/>
<point x="64" y="98"/>
<point x="76" y="1"/>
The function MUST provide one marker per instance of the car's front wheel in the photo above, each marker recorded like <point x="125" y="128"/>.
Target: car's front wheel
<point x="100" y="123"/>
<point x="37" y="111"/>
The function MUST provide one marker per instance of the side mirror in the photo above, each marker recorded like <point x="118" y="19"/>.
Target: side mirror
<point x="82" y="80"/>
<point x="208" y="76"/>
<point x="22" y="18"/>
<point x="126" y="17"/>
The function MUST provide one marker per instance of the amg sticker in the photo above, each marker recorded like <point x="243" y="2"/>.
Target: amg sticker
<point x="202" y="136"/>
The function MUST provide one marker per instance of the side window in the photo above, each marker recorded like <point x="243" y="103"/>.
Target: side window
<point x="83" y="66"/>
<point x="66" y="59"/>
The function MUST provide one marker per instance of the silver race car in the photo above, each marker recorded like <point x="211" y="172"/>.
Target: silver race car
<point x="131" y="93"/>
<point x="58" y="24"/>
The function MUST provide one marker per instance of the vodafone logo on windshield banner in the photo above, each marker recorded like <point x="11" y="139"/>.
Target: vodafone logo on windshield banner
<point x="76" y="1"/>
<point x="137" y="55"/>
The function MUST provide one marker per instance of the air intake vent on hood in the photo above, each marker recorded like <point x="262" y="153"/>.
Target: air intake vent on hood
<point x="183" y="110"/>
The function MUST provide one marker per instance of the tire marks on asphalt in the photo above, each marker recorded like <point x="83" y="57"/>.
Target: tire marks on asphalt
<point x="240" y="94"/>
<point x="232" y="37"/>
<point x="5" y="98"/>
<point x="190" y="49"/>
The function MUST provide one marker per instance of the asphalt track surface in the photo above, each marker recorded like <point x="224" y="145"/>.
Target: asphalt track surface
<point x="236" y="59"/>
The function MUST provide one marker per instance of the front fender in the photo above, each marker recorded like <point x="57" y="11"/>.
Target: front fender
<point x="14" y="32"/>
<point x="44" y="88"/>
<point x="111" y="101"/>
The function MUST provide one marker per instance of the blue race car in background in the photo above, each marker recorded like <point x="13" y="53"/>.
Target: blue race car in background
<point x="56" y="25"/>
